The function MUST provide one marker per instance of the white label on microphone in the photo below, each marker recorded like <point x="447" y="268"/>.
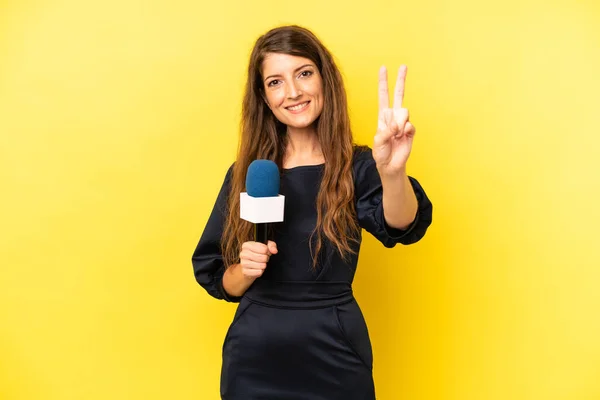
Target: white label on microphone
<point x="259" y="210"/>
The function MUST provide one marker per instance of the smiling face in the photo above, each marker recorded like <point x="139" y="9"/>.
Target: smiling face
<point x="293" y="89"/>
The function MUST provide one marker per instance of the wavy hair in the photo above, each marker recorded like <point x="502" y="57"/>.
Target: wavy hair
<point x="265" y="137"/>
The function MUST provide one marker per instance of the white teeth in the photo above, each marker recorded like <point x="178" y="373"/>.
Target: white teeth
<point x="298" y="107"/>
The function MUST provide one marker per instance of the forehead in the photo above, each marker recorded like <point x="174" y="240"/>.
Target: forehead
<point x="277" y="63"/>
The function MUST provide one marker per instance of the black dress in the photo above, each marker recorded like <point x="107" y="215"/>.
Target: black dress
<point x="298" y="333"/>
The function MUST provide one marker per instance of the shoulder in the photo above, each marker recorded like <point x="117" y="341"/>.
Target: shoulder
<point x="229" y="173"/>
<point x="226" y="182"/>
<point x="362" y="159"/>
<point x="230" y="169"/>
<point x="364" y="171"/>
<point x="362" y="153"/>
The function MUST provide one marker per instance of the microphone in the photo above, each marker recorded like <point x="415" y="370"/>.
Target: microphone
<point x="262" y="204"/>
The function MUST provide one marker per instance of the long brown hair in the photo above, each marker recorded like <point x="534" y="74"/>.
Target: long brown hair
<point x="264" y="137"/>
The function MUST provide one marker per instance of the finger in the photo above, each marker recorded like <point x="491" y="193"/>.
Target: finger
<point x="384" y="100"/>
<point x="395" y="128"/>
<point x="272" y="246"/>
<point x="253" y="273"/>
<point x="401" y="119"/>
<point x="251" y="265"/>
<point x="409" y="129"/>
<point x="399" y="132"/>
<point x="399" y="91"/>
<point x="256" y="247"/>
<point x="387" y="132"/>
<point x="401" y="116"/>
<point x="248" y="255"/>
<point x="248" y="245"/>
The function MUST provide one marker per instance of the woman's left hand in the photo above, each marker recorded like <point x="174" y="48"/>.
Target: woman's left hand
<point x="395" y="134"/>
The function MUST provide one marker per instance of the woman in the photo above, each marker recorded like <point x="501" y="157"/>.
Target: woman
<point x="298" y="332"/>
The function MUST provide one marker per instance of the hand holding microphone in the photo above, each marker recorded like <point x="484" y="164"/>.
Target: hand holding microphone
<point x="254" y="258"/>
<point x="261" y="204"/>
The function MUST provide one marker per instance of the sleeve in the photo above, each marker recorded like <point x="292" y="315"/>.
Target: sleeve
<point x="369" y="205"/>
<point x="207" y="259"/>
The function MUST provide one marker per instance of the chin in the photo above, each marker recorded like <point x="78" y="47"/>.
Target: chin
<point x="302" y="124"/>
<point x="297" y="123"/>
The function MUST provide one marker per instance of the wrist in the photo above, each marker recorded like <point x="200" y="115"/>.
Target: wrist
<point x="235" y="283"/>
<point x="392" y="176"/>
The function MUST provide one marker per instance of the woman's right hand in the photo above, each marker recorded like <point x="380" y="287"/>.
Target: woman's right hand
<point x="254" y="258"/>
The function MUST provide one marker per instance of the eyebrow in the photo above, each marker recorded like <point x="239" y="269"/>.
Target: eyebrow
<point x="296" y="70"/>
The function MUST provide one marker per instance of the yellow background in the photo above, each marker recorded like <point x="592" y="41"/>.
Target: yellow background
<point x="118" y="120"/>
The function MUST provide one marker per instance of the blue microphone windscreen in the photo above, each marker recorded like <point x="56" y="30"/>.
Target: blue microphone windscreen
<point x="262" y="179"/>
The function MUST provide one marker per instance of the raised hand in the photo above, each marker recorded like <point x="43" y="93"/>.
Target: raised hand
<point x="393" y="141"/>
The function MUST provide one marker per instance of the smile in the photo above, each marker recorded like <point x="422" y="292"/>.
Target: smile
<point x="298" y="107"/>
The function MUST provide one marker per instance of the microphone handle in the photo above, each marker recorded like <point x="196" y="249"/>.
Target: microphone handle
<point x="261" y="233"/>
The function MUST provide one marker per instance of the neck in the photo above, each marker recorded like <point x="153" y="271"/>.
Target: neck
<point x="303" y="147"/>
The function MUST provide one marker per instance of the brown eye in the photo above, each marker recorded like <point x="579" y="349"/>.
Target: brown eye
<point x="306" y="73"/>
<point x="273" y="82"/>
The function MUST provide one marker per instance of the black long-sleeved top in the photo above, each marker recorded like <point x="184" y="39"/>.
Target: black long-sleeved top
<point x="293" y="261"/>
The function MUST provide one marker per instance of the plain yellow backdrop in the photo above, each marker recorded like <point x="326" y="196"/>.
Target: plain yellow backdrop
<point x="118" y="120"/>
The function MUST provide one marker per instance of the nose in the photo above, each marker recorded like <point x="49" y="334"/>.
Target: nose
<point x="293" y="90"/>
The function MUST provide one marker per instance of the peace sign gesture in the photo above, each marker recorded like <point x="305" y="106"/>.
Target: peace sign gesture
<point x="395" y="134"/>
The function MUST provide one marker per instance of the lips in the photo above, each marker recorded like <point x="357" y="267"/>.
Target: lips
<point x="298" y="107"/>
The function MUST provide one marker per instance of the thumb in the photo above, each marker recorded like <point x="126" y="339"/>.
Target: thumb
<point x="272" y="247"/>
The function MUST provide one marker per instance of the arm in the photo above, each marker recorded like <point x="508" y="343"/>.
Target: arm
<point x="207" y="260"/>
<point x="220" y="282"/>
<point x="392" y="146"/>
<point x="234" y="281"/>
<point x="399" y="200"/>
<point x="378" y="206"/>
